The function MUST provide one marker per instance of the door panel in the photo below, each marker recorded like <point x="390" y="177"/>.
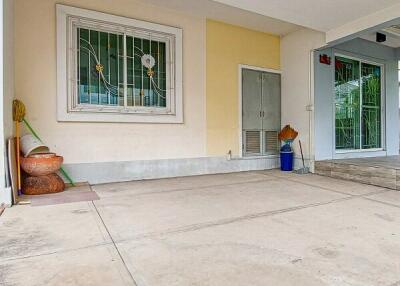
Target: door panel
<point x="251" y="99"/>
<point x="271" y="101"/>
<point x="347" y="104"/>
<point x="371" y="106"/>
<point x="271" y="106"/>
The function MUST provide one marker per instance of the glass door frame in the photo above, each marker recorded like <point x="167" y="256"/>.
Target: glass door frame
<point x="382" y="107"/>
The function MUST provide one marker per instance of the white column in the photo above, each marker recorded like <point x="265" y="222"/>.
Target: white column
<point x="6" y="89"/>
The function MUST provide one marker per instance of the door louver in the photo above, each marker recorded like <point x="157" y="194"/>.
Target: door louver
<point x="252" y="142"/>
<point x="271" y="142"/>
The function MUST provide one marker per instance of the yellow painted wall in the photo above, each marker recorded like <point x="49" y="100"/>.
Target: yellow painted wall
<point x="227" y="47"/>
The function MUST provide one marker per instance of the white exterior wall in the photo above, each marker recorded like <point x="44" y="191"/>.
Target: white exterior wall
<point x="83" y="142"/>
<point x="8" y="68"/>
<point x="296" y="65"/>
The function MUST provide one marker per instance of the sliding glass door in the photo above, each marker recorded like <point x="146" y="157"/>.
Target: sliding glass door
<point x="358" y="103"/>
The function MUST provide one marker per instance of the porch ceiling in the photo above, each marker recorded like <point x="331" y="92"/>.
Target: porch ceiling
<point x="392" y="33"/>
<point x="229" y="14"/>
<point x="321" y="15"/>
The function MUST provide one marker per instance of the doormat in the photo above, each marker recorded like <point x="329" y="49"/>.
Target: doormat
<point x="80" y="193"/>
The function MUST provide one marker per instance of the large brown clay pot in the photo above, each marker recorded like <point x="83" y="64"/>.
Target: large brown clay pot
<point x="47" y="184"/>
<point x="41" y="164"/>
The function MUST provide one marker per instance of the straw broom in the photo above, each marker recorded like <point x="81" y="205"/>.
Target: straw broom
<point x="18" y="116"/>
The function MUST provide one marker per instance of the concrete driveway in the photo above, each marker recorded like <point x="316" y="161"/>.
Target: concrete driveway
<point x="253" y="228"/>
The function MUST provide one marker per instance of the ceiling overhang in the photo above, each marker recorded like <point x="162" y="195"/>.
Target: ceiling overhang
<point x="341" y="20"/>
<point x="376" y="21"/>
<point x="229" y="14"/>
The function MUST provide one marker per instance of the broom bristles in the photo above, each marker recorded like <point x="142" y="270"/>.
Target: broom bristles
<point x="18" y="110"/>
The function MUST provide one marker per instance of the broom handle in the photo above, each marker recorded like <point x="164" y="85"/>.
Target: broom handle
<point x="302" y="157"/>
<point x="18" y="157"/>
<point x="31" y="130"/>
<point x="65" y="174"/>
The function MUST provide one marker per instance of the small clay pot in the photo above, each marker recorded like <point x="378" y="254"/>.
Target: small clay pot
<point x="41" y="164"/>
<point x="47" y="184"/>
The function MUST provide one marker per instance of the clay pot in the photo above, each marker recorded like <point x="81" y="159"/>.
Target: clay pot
<point x="41" y="164"/>
<point x="47" y="184"/>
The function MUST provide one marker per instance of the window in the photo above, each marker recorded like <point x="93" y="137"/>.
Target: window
<point x="358" y="108"/>
<point x="117" y="69"/>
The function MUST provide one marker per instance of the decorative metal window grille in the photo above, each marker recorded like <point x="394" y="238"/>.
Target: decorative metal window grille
<point x="121" y="69"/>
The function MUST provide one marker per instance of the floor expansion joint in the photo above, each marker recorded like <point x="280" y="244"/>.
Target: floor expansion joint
<point x="115" y="246"/>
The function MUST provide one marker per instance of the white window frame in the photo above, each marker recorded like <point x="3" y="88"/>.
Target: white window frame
<point x="67" y="107"/>
<point x="383" y="109"/>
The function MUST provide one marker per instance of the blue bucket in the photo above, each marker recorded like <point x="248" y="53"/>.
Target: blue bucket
<point x="287" y="160"/>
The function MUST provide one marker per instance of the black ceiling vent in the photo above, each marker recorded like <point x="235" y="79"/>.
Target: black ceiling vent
<point x="380" y="38"/>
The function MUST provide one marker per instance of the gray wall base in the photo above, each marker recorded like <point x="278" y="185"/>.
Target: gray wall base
<point x="109" y="172"/>
<point x="298" y="163"/>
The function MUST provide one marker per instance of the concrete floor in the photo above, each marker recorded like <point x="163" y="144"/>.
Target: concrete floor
<point x="254" y="228"/>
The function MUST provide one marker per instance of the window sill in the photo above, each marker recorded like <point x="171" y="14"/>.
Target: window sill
<point x="346" y="151"/>
<point x="119" y="117"/>
<point x="360" y="154"/>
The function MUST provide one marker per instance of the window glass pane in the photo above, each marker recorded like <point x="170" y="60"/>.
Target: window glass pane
<point x="83" y="66"/>
<point x="113" y="86"/>
<point x="101" y="69"/>
<point x="104" y="59"/>
<point x="371" y="106"/>
<point x="146" y="81"/>
<point x="98" y="67"/>
<point x="149" y="81"/>
<point x="94" y="75"/>
<point x="347" y="103"/>
<point x="130" y="73"/>
<point x="162" y="71"/>
<point x="138" y="70"/>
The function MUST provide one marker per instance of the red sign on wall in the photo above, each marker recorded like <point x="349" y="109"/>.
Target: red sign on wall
<point x="325" y="59"/>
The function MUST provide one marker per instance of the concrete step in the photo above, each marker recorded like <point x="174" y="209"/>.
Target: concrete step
<point x="363" y="172"/>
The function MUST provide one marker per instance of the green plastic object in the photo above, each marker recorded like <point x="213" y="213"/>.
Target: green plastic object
<point x="62" y="171"/>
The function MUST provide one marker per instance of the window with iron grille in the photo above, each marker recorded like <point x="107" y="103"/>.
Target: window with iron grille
<point x="117" y="69"/>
